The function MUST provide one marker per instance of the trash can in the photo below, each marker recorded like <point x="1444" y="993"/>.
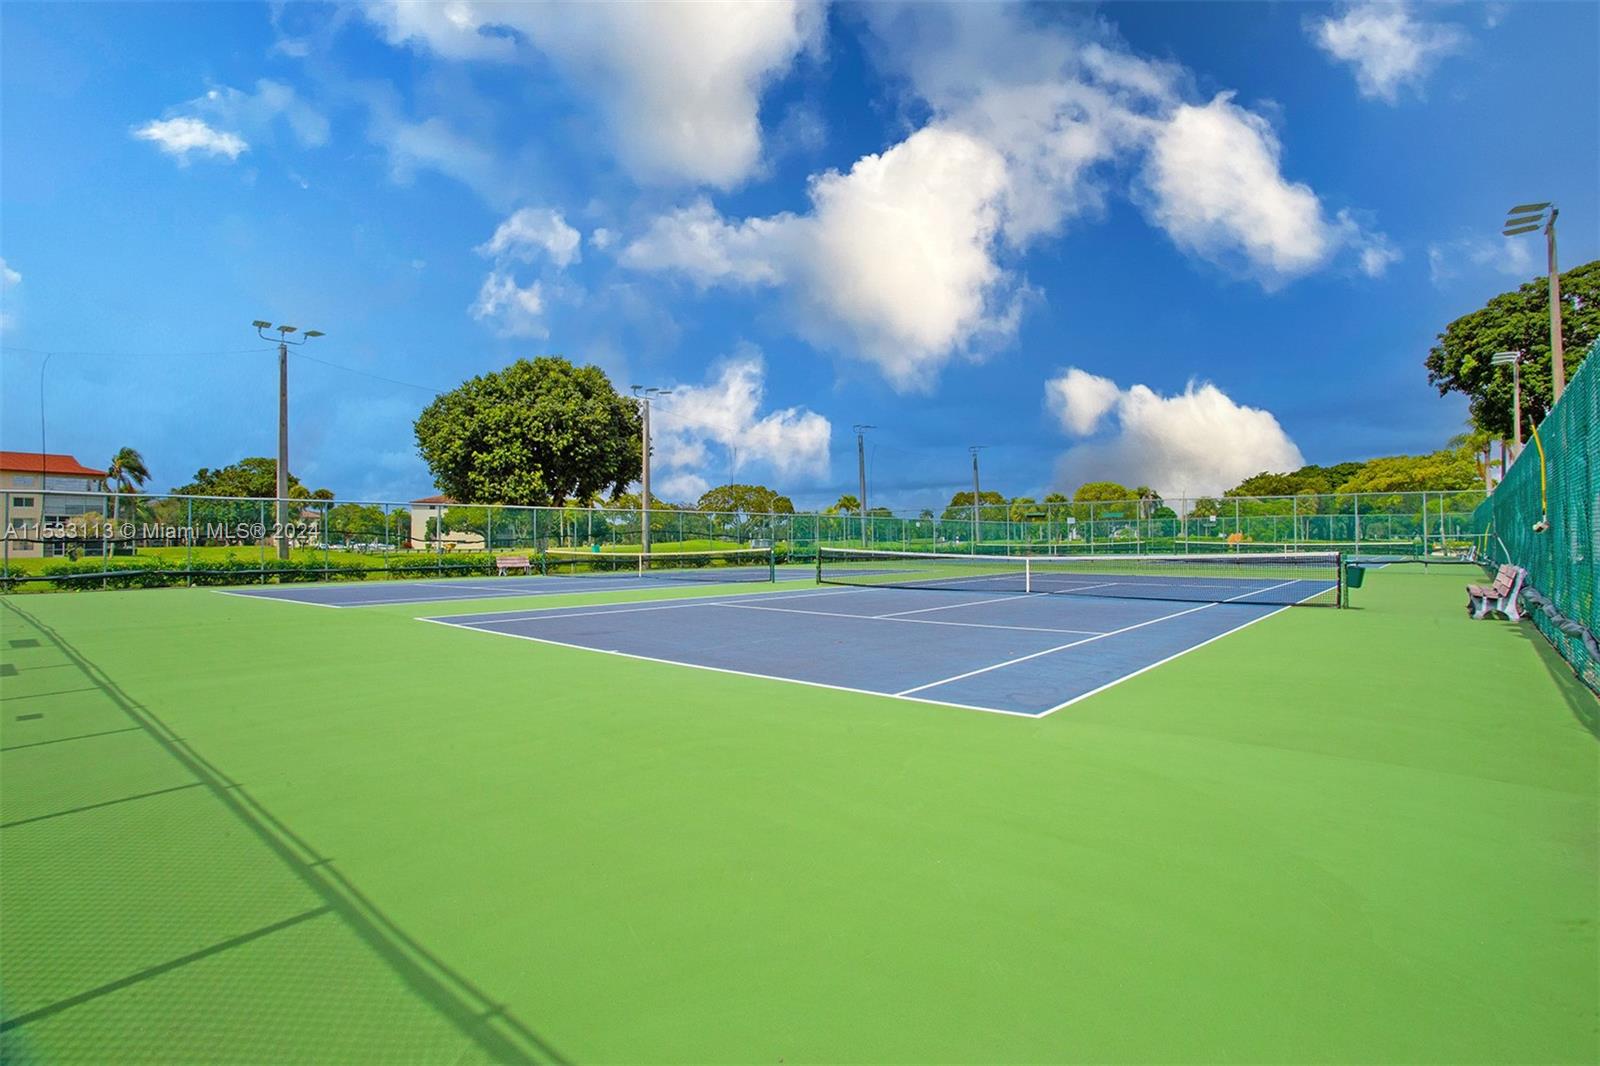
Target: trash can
<point x="1353" y="575"/>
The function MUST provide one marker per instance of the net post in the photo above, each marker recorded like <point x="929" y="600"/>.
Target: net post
<point x="1027" y="575"/>
<point x="819" y="562"/>
<point x="772" y="563"/>
<point x="1340" y="594"/>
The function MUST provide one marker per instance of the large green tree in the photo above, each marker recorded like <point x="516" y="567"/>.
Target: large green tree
<point x="1098" y="491"/>
<point x="1455" y="467"/>
<point x="1516" y="321"/>
<point x="745" y="499"/>
<point x="991" y="506"/>
<point x="1308" y="479"/>
<point x="539" y="432"/>
<point x="256" y="476"/>
<point x="357" y="522"/>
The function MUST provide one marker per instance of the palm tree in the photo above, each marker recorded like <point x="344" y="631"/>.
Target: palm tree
<point x="128" y="471"/>
<point x="1146" y="496"/>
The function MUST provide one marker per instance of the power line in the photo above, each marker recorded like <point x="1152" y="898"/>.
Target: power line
<point x="369" y="374"/>
<point x="133" y="355"/>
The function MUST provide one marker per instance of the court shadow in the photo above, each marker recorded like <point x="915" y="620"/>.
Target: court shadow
<point x="142" y="922"/>
<point x="1583" y="704"/>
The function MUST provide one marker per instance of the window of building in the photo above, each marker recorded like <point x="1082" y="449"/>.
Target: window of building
<point x="22" y="481"/>
<point x="22" y="501"/>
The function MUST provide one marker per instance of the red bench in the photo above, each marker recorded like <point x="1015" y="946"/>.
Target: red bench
<point x="1484" y="600"/>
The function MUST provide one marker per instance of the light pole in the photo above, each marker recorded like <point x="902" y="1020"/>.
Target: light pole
<point x="1525" y="218"/>
<point x="643" y="395"/>
<point x="283" y="423"/>
<point x="975" y="449"/>
<point x="1514" y="361"/>
<point x="861" y="474"/>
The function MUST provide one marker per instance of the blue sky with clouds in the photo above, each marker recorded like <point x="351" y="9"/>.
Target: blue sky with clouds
<point x="1166" y="243"/>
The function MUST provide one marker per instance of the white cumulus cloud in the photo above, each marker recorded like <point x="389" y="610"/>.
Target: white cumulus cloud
<point x="531" y="230"/>
<point x="255" y="111"/>
<point x="216" y="122"/>
<point x="1197" y="442"/>
<point x="514" y="311"/>
<point x="680" y="84"/>
<point x="1388" y="47"/>
<point x="179" y="136"/>
<point x="904" y="259"/>
<point x="718" y="428"/>
<point x="894" y="262"/>
<point x="1510" y="257"/>
<point x="1215" y="184"/>
<point x="9" y="279"/>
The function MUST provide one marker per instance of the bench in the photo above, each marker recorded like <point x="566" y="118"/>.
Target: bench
<point x="1483" y="600"/>
<point x="506" y="563"/>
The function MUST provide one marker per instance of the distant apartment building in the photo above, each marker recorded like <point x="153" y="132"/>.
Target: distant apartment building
<point x="424" y="511"/>
<point x="35" y="507"/>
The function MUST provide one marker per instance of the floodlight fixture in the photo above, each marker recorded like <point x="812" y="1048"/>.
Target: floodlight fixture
<point x="1525" y="218"/>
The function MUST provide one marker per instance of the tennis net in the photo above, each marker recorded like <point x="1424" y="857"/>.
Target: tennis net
<point x="731" y="564"/>
<point x="1286" y="578"/>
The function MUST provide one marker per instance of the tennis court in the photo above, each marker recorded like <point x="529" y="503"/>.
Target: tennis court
<point x="241" y="830"/>
<point x="1012" y="654"/>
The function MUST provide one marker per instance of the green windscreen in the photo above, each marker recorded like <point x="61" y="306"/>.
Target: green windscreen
<point x="1560" y="559"/>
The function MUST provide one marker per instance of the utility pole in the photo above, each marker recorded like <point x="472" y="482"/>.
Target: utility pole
<point x="1513" y="360"/>
<point x="281" y="533"/>
<point x="1558" y="361"/>
<point x="975" y="449"/>
<point x="861" y="474"/>
<point x="1525" y="218"/>
<point x="643" y="395"/>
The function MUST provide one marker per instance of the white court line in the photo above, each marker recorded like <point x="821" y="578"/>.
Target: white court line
<point x="736" y="673"/>
<point x="1083" y="588"/>
<point x="578" y="610"/>
<point x="278" y="599"/>
<point x="1174" y="655"/>
<point x="949" y="606"/>
<point x="403" y="600"/>
<point x="1051" y="651"/>
<point x="913" y="621"/>
<point x="634" y="585"/>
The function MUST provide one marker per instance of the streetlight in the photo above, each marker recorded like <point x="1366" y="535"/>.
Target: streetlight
<point x="643" y="395"/>
<point x="975" y="449"/>
<point x="283" y="421"/>
<point x="1525" y="218"/>
<point x="861" y="473"/>
<point x="1514" y="361"/>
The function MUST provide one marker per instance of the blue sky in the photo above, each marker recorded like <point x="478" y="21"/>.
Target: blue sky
<point x="1164" y="243"/>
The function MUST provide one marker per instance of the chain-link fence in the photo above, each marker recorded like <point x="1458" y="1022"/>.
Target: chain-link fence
<point x="100" y="539"/>
<point x="1545" y="518"/>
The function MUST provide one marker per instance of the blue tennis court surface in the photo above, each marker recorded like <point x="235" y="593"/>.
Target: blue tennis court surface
<point x="1019" y="653"/>
<point x="438" y="590"/>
